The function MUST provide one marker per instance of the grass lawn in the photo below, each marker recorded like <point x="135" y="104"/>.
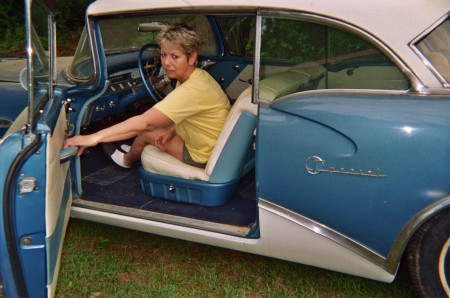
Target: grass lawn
<point x="105" y="261"/>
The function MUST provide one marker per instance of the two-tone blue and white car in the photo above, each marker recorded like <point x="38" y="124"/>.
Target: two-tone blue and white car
<point x="336" y="152"/>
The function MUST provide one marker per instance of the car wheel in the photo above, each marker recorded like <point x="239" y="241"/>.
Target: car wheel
<point x="428" y="257"/>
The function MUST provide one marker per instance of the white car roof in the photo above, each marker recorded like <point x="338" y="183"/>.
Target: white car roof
<point x="377" y="16"/>
<point x="395" y="23"/>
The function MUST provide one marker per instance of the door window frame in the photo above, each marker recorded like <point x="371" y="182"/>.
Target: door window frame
<point x="415" y="84"/>
<point x="33" y="46"/>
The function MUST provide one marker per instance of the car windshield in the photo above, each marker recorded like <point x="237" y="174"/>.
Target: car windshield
<point x="435" y="47"/>
<point x="125" y="34"/>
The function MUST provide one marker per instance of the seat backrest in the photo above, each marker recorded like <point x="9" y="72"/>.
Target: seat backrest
<point x="299" y="77"/>
<point x="281" y="84"/>
<point x="232" y="145"/>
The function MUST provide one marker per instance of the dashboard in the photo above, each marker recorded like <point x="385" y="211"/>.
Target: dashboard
<point x="124" y="89"/>
<point x="123" y="81"/>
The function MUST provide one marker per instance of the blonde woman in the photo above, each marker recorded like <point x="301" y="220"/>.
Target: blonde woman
<point x="186" y="124"/>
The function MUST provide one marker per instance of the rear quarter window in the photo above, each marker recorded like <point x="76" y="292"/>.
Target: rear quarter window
<point x="435" y="49"/>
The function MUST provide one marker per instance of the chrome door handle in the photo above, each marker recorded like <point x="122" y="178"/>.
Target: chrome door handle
<point x="66" y="154"/>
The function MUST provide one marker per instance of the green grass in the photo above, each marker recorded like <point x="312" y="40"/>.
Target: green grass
<point x="105" y="261"/>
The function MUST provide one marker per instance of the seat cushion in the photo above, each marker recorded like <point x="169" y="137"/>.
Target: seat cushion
<point x="156" y="161"/>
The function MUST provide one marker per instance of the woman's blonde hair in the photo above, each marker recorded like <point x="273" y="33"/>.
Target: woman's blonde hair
<point x="181" y="36"/>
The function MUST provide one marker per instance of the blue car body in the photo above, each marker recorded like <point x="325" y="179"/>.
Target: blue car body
<point x="344" y="139"/>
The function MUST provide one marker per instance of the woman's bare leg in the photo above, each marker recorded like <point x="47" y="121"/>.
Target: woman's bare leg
<point x="173" y="147"/>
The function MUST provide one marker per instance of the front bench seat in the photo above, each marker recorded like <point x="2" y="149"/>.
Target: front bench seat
<point x="164" y="176"/>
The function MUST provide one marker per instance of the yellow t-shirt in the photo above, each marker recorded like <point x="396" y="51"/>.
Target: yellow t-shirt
<point x="199" y="108"/>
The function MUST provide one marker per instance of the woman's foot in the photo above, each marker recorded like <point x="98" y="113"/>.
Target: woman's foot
<point x="116" y="154"/>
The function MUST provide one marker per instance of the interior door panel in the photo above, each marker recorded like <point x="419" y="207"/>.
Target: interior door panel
<point x="58" y="198"/>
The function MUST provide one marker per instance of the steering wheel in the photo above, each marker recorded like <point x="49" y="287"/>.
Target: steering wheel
<point x="154" y="80"/>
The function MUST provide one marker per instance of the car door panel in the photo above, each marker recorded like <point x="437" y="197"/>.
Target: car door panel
<point x="37" y="204"/>
<point x="58" y="197"/>
<point x="365" y="144"/>
<point x="29" y="219"/>
<point x="12" y="150"/>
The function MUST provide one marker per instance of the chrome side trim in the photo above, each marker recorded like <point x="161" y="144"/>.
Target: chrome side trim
<point x="399" y="246"/>
<point x="326" y="232"/>
<point x="391" y="263"/>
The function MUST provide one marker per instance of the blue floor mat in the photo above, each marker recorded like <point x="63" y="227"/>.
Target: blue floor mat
<point x="104" y="182"/>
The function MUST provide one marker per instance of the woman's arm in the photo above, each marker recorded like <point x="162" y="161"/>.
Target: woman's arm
<point x="147" y="122"/>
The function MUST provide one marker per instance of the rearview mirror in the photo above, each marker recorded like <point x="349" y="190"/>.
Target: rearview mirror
<point x="151" y="27"/>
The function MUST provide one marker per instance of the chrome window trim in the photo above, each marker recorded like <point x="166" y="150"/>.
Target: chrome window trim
<point x="415" y="41"/>
<point x="256" y="58"/>
<point x="30" y="82"/>
<point x="431" y="92"/>
<point x="94" y="49"/>
<point x="342" y="91"/>
<point x="416" y="84"/>
<point x="52" y="51"/>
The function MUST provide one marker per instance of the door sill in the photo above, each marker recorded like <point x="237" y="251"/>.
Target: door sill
<point x="221" y="228"/>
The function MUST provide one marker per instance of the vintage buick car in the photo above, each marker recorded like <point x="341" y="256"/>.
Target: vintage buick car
<point x="335" y="154"/>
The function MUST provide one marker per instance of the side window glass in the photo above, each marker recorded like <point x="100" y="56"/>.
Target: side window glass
<point x="238" y="33"/>
<point x="138" y="31"/>
<point x="436" y="49"/>
<point x="40" y="56"/>
<point x="299" y="56"/>
<point x="231" y="30"/>
<point x="81" y="70"/>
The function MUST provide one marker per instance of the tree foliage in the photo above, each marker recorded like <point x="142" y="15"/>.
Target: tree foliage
<point x="12" y="27"/>
<point x="69" y="17"/>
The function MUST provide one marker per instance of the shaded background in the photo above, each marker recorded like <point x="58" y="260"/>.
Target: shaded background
<point x="69" y="19"/>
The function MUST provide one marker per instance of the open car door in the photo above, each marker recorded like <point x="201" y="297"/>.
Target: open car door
<point x="34" y="177"/>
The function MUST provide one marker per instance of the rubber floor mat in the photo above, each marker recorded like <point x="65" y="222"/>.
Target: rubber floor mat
<point x="107" y="176"/>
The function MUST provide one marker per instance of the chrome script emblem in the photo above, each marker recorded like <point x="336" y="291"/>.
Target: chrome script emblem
<point x="316" y="165"/>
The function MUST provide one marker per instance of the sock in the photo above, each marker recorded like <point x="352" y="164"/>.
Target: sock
<point x="126" y="148"/>
<point x="117" y="157"/>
